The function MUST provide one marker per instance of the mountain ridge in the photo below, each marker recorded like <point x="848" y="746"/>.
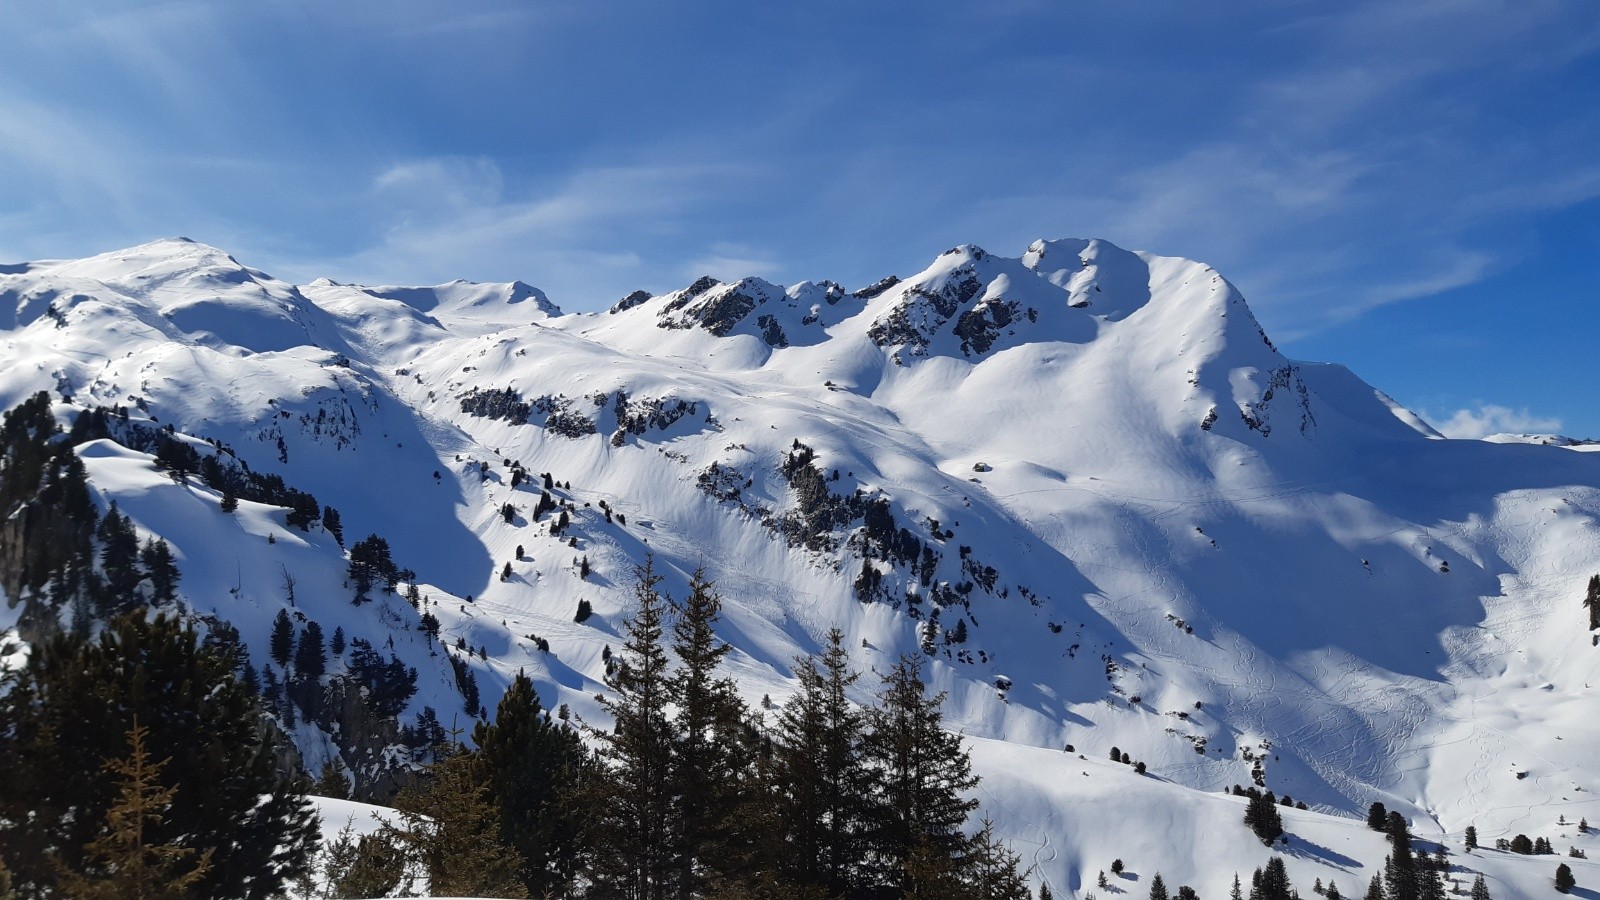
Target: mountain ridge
<point x="1094" y="461"/>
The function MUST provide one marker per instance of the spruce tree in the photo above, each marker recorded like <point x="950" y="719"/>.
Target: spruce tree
<point x="1158" y="888"/>
<point x="1377" y="817"/>
<point x="123" y="862"/>
<point x="993" y="871"/>
<point x="310" y="659"/>
<point x="1275" y="883"/>
<point x="1375" y="889"/>
<point x="119" y="563"/>
<point x="821" y="775"/>
<point x="532" y="765"/>
<point x="1472" y="838"/>
<point x="1399" y="874"/>
<point x="1480" y="889"/>
<point x="281" y="643"/>
<point x="921" y="772"/>
<point x="709" y="759"/>
<point x="450" y="827"/>
<point x="160" y="569"/>
<point x="633" y="831"/>
<point x="1564" y="880"/>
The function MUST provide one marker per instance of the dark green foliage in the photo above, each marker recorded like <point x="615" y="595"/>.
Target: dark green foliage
<point x="119" y="563"/>
<point x="1188" y="893"/>
<point x="1377" y="817"/>
<point x="281" y="644"/>
<point x="1564" y="880"/>
<point x="389" y="685"/>
<point x="310" y="660"/>
<point x="1522" y="844"/>
<point x="531" y="764"/>
<point x="633" y="833"/>
<point x="1480" y="889"/>
<point x="1272" y="882"/>
<point x="466" y="683"/>
<point x="821" y="776"/>
<point x="709" y="762"/>
<point x="1471" y="838"/>
<point x="161" y="571"/>
<point x="336" y="644"/>
<point x="922" y="774"/>
<point x="332" y="782"/>
<point x="1261" y="815"/>
<point x="584" y="611"/>
<point x="450" y="828"/>
<point x="1158" y="888"/>
<point x="230" y="501"/>
<point x="70" y="709"/>
<point x="332" y="524"/>
<point x="371" y="565"/>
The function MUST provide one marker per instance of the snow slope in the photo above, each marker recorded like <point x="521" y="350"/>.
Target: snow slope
<point x="1158" y="532"/>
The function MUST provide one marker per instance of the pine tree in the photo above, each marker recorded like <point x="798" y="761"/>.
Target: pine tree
<point x="633" y="831"/>
<point x="1399" y="874"/>
<point x="1158" y="888"/>
<point x="921" y="774"/>
<point x="1564" y="880"/>
<point x="1480" y="889"/>
<point x="160" y="569"/>
<point x="310" y="659"/>
<point x="230" y="500"/>
<point x="584" y="611"/>
<point x="1375" y="889"/>
<point x="1238" y="892"/>
<point x="332" y="524"/>
<point x="1377" y="817"/>
<point x="821" y="773"/>
<point x="1472" y="838"/>
<point x="532" y="765"/>
<point x="450" y="827"/>
<point x="123" y="863"/>
<point x="1262" y="816"/>
<point x="281" y="643"/>
<point x="70" y="708"/>
<point x="1274" y="882"/>
<point x="119" y="563"/>
<point x="336" y="644"/>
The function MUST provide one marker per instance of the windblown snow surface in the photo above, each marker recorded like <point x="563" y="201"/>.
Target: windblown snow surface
<point x="1161" y="534"/>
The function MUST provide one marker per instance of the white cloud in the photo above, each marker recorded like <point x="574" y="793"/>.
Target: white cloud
<point x="1489" y="419"/>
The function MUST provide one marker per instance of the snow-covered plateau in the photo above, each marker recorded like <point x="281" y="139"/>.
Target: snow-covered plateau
<point x="1083" y="478"/>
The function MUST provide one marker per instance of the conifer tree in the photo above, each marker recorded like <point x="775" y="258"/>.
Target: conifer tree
<point x="310" y="659"/>
<point x="993" y="871"/>
<point x="1472" y="838"/>
<point x="1238" y="892"/>
<point x="1377" y="817"/>
<point x="123" y="863"/>
<point x="632" y="833"/>
<point x="160" y="569"/>
<point x="336" y="643"/>
<point x="332" y="524"/>
<point x="1274" y="883"/>
<point x="1564" y="880"/>
<point x="921" y="772"/>
<point x="708" y="756"/>
<point x="1186" y="892"/>
<point x="332" y="781"/>
<point x="119" y="562"/>
<point x="281" y="643"/>
<point x="1480" y="889"/>
<point x="1158" y="888"/>
<point x="450" y="827"/>
<point x="532" y="765"/>
<point x="368" y="865"/>
<point x="821" y="773"/>
<point x="1375" y="889"/>
<point x="1399" y="873"/>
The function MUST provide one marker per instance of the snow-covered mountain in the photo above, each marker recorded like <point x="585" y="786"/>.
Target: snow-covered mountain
<point x="1084" y="477"/>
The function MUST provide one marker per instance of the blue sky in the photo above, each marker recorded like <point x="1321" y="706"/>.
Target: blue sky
<point x="1411" y="188"/>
